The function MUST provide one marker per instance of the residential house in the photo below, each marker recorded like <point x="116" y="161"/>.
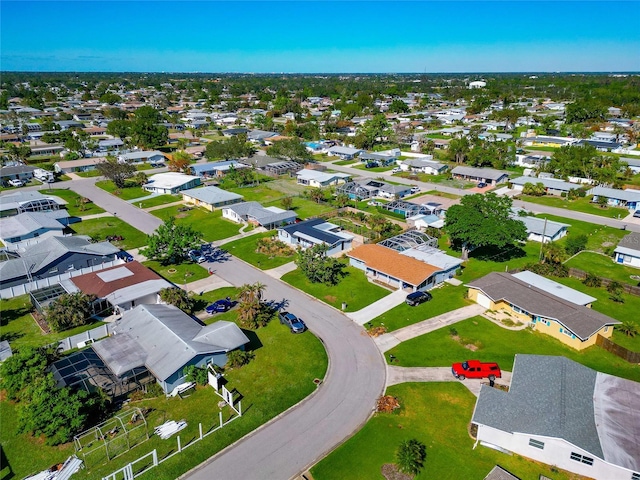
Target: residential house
<point x="315" y="178"/>
<point x="52" y="256"/>
<point x="16" y="172"/>
<point x="45" y="149"/>
<point x="161" y="340"/>
<point x="628" y="250"/>
<point x="574" y="325"/>
<point x="80" y="165"/>
<point x="564" y="414"/>
<point x="316" y="231"/>
<point x="110" y="144"/>
<point x="23" y="226"/>
<point x="216" y="169"/>
<point x="486" y="175"/>
<point x="632" y="163"/>
<point x="555" y="288"/>
<point x="552" y="186"/>
<point x="555" y="142"/>
<point x="629" y="199"/>
<point x="256" y="214"/>
<point x="171" y="183"/>
<point x="232" y="132"/>
<point x="119" y="288"/>
<point x="531" y="160"/>
<point x="423" y="221"/>
<point x="603" y="146"/>
<point x="23" y="201"/>
<point x="423" y="166"/>
<point x="259" y="136"/>
<point x="210" y="197"/>
<point x="345" y="153"/>
<point x="541" y="229"/>
<point x="152" y="156"/>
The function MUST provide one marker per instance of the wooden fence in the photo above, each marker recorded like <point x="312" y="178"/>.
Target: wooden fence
<point x="609" y="346"/>
<point x="581" y="274"/>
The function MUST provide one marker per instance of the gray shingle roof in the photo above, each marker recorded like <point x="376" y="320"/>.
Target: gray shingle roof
<point x="260" y="214"/>
<point x="582" y="321"/>
<point x="164" y="338"/>
<point x="484" y="173"/>
<point x="211" y="195"/>
<point x="626" y="195"/>
<point x="631" y="241"/>
<point x="537" y="225"/>
<point x="26" y="223"/>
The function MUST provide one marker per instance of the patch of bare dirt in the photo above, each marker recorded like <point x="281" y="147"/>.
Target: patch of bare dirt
<point x="471" y="346"/>
<point x="391" y="472"/>
<point x="330" y="298"/>
<point x="387" y="404"/>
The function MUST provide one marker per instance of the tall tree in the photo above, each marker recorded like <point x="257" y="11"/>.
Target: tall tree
<point x="145" y="129"/>
<point x="252" y="311"/>
<point x="290" y="149"/>
<point x="483" y="220"/>
<point x="314" y="263"/>
<point x="171" y="243"/>
<point x="180" y="162"/>
<point x="70" y="310"/>
<point x="177" y="297"/>
<point x="115" y="171"/>
<point x="234" y="147"/>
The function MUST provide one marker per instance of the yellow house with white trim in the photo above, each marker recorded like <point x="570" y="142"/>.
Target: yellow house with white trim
<point x="574" y="325"/>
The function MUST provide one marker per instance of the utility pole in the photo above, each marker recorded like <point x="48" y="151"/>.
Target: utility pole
<point x="544" y="231"/>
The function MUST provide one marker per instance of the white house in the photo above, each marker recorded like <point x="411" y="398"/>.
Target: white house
<point x="628" y="250"/>
<point x="171" y="182"/>
<point x="313" y="232"/>
<point x="424" y="166"/>
<point x="564" y="414"/>
<point x="477" y="84"/>
<point x="153" y="156"/>
<point x="620" y="198"/>
<point x="541" y="230"/>
<point x="316" y="178"/>
<point x="256" y="214"/>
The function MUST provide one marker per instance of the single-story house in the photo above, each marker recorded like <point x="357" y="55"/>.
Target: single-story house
<point x="232" y="132"/>
<point x="152" y="156"/>
<point x="45" y="149"/>
<point x="424" y="166"/>
<point x="574" y="325"/>
<point x="110" y="144"/>
<point x="216" y="169"/>
<point x="315" y="178"/>
<point x="628" y="250"/>
<point x="28" y="225"/>
<point x="164" y="340"/>
<point x="486" y="175"/>
<point x="345" y="153"/>
<point x="19" y="172"/>
<point x="171" y="182"/>
<point x="619" y="198"/>
<point x="555" y="142"/>
<point x="316" y="231"/>
<point x="552" y="186"/>
<point x="495" y="137"/>
<point x="555" y="288"/>
<point x="422" y="221"/>
<point x="564" y="414"/>
<point x="210" y="197"/>
<point x="393" y="191"/>
<point x="632" y="163"/>
<point x="364" y="188"/>
<point x="282" y="168"/>
<point x="259" y="136"/>
<point x="28" y="201"/>
<point x="52" y="256"/>
<point x="119" y="288"/>
<point x="80" y="165"/>
<point x="531" y="160"/>
<point x="603" y="146"/>
<point x="256" y="214"/>
<point x="542" y="230"/>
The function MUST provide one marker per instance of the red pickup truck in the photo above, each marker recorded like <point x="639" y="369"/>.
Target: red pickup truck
<point x="476" y="369"/>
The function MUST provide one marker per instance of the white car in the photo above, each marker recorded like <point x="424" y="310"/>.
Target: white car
<point x="415" y="189"/>
<point x="396" y="170"/>
<point x="16" y="182"/>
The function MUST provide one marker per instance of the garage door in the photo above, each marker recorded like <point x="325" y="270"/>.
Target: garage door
<point x="484" y="300"/>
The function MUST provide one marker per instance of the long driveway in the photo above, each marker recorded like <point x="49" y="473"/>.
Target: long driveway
<point x="292" y="442"/>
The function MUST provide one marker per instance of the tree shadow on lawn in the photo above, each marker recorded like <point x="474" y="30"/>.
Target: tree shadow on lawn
<point x="493" y="254"/>
<point x="13" y="314"/>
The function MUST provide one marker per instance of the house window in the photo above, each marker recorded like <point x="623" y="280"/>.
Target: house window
<point x="581" y="458"/>
<point x="536" y="444"/>
<point x="568" y="333"/>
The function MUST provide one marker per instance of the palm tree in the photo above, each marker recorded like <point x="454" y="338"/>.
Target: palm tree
<point x="410" y="456"/>
<point x="628" y="328"/>
<point x="250" y="309"/>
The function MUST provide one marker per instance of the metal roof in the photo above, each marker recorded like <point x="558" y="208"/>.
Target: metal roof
<point x="316" y="230"/>
<point x="409" y="239"/>
<point x="539" y="226"/>
<point x="482" y="173"/>
<point x="555" y="288"/>
<point x="29" y="222"/>
<point x="211" y="195"/>
<point x="627" y="195"/>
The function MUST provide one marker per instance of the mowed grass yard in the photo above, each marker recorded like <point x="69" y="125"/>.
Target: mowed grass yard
<point x="445" y="299"/>
<point x="579" y="205"/>
<point x="481" y="339"/>
<point x="604" y="266"/>
<point x="436" y="414"/>
<point x="185" y="272"/>
<point x="354" y="289"/>
<point x="129" y="192"/>
<point x="73" y="206"/>
<point x="210" y="224"/>
<point x="21" y="330"/>
<point x="304" y="207"/>
<point x="281" y="375"/>
<point x="158" y="200"/>
<point x="100" y="228"/>
<point x="245" y="249"/>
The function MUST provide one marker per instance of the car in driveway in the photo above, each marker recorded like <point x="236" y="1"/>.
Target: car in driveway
<point x="415" y="189"/>
<point x="295" y="324"/>
<point x="396" y="170"/>
<point x="16" y="182"/>
<point x="636" y="214"/>
<point x="196" y="256"/>
<point x="416" y="298"/>
<point x="126" y="256"/>
<point x="476" y="369"/>
<point x="482" y="185"/>
<point x="219" y="306"/>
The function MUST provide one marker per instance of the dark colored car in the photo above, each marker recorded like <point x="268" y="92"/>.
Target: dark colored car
<point x="416" y="298"/>
<point x="295" y="324"/>
<point x="476" y="369"/>
<point x="482" y="185"/>
<point x="371" y="165"/>
<point x="126" y="256"/>
<point x="221" y="305"/>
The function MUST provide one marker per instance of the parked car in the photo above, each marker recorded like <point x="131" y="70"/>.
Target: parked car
<point x="371" y="165"/>
<point x="374" y="203"/>
<point x="221" y="305"/>
<point x="196" y="256"/>
<point x="16" y="182"/>
<point x="416" y="298"/>
<point x="482" y="185"/>
<point x="295" y="324"/>
<point x="636" y="214"/>
<point x="126" y="256"/>
<point x="476" y="369"/>
<point x="415" y="189"/>
<point x="396" y="170"/>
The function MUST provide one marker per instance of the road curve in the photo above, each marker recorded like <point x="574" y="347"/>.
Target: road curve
<point x="289" y="444"/>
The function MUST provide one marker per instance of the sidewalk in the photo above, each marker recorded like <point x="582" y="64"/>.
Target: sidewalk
<point x="241" y="234"/>
<point x="377" y="308"/>
<point x="389" y="340"/>
<point x="164" y="205"/>
<point x="96" y="215"/>
<point x="278" y="272"/>
<point x="212" y="282"/>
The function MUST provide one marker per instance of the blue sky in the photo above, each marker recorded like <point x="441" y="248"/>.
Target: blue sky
<point x="319" y="36"/>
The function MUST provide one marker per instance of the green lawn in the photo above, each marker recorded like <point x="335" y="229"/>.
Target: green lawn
<point x="579" y="205"/>
<point x="323" y="157"/>
<point x="603" y="266"/>
<point x="210" y="224"/>
<point x="445" y="299"/>
<point x="375" y="169"/>
<point x="100" y="228"/>
<point x="88" y="173"/>
<point x="21" y="330"/>
<point x="280" y="376"/>
<point x="159" y="200"/>
<point x="245" y="249"/>
<point x="494" y="343"/>
<point x="304" y="207"/>
<point x="186" y="272"/>
<point x="353" y="289"/>
<point x="260" y="193"/>
<point x="72" y="199"/>
<point x="130" y="191"/>
<point x="438" y="193"/>
<point x="600" y="237"/>
<point x="436" y="414"/>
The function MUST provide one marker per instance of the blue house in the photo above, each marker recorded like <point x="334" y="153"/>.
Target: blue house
<point x="313" y="232"/>
<point x="629" y="199"/>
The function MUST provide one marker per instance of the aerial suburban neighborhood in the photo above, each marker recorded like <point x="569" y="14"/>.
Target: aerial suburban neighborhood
<point x="319" y="276"/>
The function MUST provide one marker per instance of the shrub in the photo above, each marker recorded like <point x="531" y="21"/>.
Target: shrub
<point x="196" y="374"/>
<point x="575" y="244"/>
<point x="410" y="456"/>
<point x="238" y="358"/>
<point x="592" y="280"/>
<point x="615" y="290"/>
<point x="548" y="269"/>
<point x="628" y="328"/>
